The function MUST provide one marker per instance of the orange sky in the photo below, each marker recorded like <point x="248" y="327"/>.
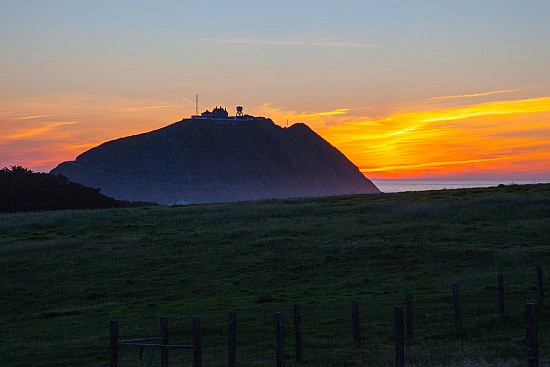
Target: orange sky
<point x="502" y="138"/>
<point x="454" y="136"/>
<point x="405" y="89"/>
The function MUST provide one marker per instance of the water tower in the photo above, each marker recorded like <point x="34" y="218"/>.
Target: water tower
<point x="239" y="110"/>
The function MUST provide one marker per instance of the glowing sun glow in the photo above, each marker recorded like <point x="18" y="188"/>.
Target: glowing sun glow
<point x="485" y="140"/>
<point x="491" y="138"/>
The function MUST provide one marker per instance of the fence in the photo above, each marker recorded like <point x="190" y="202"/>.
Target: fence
<point x="446" y="329"/>
<point x="147" y="343"/>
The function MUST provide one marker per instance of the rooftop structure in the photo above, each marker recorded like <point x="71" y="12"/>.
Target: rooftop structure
<point x="221" y="114"/>
<point x="217" y="113"/>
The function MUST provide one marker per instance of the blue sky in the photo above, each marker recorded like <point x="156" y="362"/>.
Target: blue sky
<point x="389" y="49"/>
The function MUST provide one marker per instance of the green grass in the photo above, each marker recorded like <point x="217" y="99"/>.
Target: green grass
<point x="66" y="274"/>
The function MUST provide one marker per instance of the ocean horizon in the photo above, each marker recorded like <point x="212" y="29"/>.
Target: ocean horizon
<point x="424" y="185"/>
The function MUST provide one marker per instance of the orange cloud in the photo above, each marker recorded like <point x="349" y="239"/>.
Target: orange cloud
<point x="36" y="131"/>
<point x="483" y="94"/>
<point x="339" y="111"/>
<point x="313" y="118"/>
<point x="30" y="117"/>
<point x="41" y="133"/>
<point x="493" y="137"/>
<point x="146" y="108"/>
<point x="513" y="135"/>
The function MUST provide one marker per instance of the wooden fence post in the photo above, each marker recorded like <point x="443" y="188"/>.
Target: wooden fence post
<point x="298" y="333"/>
<point x="355" y="328"/>
<point x="197" y="348"/>
<point x="232" y="338"/>
<point x="164" y="340"/>
<point x="399" y="338"/>
<point x="279" y="340"/>
<point x="410" y="318"/>
<point x="113" y="345"/>
<point x="458" y="314"/>
<point x="500" y="292"/>
<point x="540" y="284"/>
<point x="531" y="340"/>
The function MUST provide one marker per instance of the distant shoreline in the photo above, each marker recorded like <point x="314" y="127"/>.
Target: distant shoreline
<point x="424" y="185"/>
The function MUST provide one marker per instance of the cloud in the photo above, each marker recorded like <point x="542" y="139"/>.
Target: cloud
<point x="324" y="42"/>
<point x="482" y="94"/>
<point x="437" y="164"/>
<point x="499" y="136"/>
<point x="41" y="132"/>
<point x="314" y="119"/>
<point x="530" y="105"/>
<point x="338" y="111"/>
<point x="82" y="147"/>
<point x="31" y="117"/>
<point x="38" y="130"/>
<point x="146" y="108"/>
<point x="96" y="112"/>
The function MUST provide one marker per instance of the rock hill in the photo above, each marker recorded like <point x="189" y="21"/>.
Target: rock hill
<point x="216" y="160"/>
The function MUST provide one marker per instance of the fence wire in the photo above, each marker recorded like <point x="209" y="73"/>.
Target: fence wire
<point x="485" y="336"/>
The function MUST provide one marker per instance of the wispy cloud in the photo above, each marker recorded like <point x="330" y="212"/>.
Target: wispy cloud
<point x="126" y="109"/>
<point x="436" y="164"/>
<point x="473" y="95"/>
<point x="531" y="105"/>
<point x="39" y="130"/>
<point x="323" y="42"/>
<point x="498" y="136"/>
<point x="314" y="119"/>
<point x="81" y="147"/>
<point x="147" y="108"/>
<point x="503" y="136"/>
<point x="338" y="111"/>
<point x="31" y="117"/>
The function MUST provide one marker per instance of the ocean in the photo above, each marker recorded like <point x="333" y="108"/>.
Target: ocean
<point x="423" y="185"/>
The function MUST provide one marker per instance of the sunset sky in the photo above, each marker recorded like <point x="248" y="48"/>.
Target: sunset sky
<point x="405" y="89"/>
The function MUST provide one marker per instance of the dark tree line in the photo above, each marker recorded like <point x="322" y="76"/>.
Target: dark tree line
<point x="23" y="190"/>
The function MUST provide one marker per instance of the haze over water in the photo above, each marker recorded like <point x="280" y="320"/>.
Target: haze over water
<point x="423" y="185"/>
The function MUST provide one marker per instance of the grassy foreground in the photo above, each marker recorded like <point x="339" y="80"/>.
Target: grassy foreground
<point x="66" y="274"/>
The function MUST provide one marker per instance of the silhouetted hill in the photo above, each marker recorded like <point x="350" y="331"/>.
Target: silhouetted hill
<point x="22" y="190"/>
<point x="197" y="161"/>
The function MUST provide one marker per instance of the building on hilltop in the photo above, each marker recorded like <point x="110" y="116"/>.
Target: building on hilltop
<point x="217" y="113"/>
<point x="220" y="114"/>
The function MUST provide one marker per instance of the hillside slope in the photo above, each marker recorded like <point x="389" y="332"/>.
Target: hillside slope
<point x="22" y="190"/>
<point x="66" y="274"/>
<point x="197" y="161"/>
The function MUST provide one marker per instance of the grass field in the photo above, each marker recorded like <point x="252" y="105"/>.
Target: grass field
<point x="66" y="274"/>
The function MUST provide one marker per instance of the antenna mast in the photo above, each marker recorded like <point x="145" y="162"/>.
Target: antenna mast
<point x="196" y="104"/>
